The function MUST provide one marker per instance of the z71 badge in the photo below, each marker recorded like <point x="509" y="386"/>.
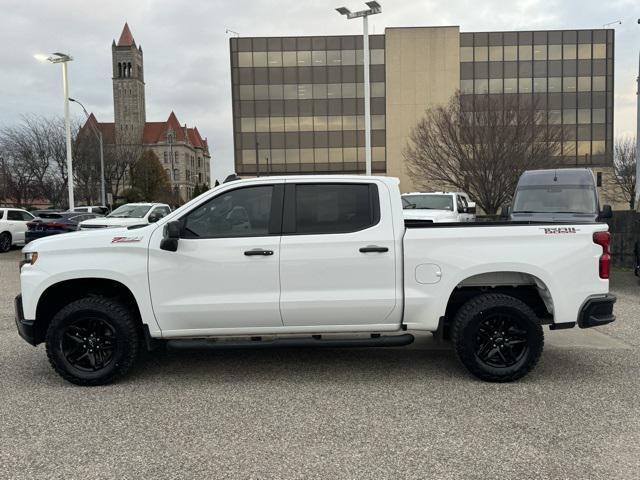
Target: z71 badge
<point x="559" y="230"/>
<point x="126" y="239"/>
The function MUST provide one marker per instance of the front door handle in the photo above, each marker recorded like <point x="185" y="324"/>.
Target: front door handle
<point x="258" y="251"/>
<point x="373" y="248"/>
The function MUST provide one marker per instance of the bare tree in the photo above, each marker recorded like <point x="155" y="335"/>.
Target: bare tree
<point x="625" y="157"/>
<point x="482" y="151"/>
<point x="119" y="161"/>
<point x="149" y="180"/>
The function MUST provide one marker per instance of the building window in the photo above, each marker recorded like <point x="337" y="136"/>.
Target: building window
<point x="599" y="179"/>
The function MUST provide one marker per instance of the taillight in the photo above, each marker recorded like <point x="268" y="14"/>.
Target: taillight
<point x="603" y="239"/>
<point x="54" y="225"/>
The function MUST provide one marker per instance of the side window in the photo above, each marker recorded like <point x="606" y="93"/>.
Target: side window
<point x="460" y="202"/>
<point x="164" y="211"/>
<point x="159" y="212"/>
<point x="14" y="215"/>
<point x="335" y="208"/>
<point x="2" y="214"/>
<point x="26" y="216"/>
<point x="238" y="213"/>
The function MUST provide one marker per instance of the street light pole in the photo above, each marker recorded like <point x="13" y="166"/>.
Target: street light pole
<point x="98" y="134"/>
<point x="367" y="97"/>
<point x="374" y="7"/>
<point x="67" y="128"/>
<point x="637" y="187"/>
<point x="64" y="59"/>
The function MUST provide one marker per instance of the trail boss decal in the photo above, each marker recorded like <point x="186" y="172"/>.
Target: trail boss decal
<point x="126" y="239"/>
<point x="559" y="230"/>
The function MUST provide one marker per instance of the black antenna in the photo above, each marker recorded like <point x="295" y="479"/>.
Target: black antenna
<point x="555" y="175"/>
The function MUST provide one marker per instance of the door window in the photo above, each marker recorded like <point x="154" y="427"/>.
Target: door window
<point x="15" y="215"/>
<point x="335" y="208"/>
<point x="27" y="217"/>
<point x="160" y="212"/>
<point x="245" y="212"/>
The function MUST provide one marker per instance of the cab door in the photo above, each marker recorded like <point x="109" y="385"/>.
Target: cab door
<point x="338" y="256"/>
<point x="224" y="275"/>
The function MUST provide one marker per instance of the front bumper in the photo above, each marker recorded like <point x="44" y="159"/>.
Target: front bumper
<point x="26" y="328"/>
<point x="597" y="311"/>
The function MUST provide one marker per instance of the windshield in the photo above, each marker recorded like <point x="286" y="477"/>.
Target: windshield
<point x="130" y="211"/>
<point x="428" y="202"/>
<point x="556" y="199"/>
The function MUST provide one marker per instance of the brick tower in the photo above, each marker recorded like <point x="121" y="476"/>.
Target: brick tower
<point x="128" y="89"/>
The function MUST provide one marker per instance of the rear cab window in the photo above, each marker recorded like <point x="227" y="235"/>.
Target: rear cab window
<point x="329" y="208"/>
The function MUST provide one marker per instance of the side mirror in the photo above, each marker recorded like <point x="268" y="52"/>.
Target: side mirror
<point x="153" y="218"/>
<point x="171" y="236"/>
<point x="471" y="208"/>
<point x="504" y="212"/>
<point x="606" y="212"/>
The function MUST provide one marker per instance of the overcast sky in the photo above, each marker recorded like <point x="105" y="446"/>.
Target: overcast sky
<point x="186" y="49"/>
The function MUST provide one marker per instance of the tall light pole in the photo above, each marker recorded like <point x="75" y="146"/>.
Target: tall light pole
<point x="64" y="59"/>
<point x="98" y="134"/>
<point x="637" y="200"/>
<point x="374" y="7"/>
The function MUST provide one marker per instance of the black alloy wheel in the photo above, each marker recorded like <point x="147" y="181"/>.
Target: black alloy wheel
<point x="88" y="344"/>
<point x="93" y="340"/>
<point x="497" y="337"/>
<point x="501" y="340"/>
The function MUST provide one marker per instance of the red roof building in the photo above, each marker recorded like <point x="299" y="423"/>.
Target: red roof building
<point x="182" y="151"/>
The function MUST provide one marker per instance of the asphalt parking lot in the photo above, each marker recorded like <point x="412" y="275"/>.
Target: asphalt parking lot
<point x="408" y="412"/>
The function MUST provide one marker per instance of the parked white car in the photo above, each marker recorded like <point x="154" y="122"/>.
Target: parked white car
<point x="13" y="225"/>
<point x="309" y="260"/>
<point x="100" y="210"/>
<point x="128" y="215"/>
<point x="438" y="207"/>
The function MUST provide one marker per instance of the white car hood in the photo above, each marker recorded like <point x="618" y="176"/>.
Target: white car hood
<point x="424" y="214"/>
<point x="114" y="222"/>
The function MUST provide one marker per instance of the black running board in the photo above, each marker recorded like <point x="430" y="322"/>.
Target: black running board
<point x="314" y="342"/>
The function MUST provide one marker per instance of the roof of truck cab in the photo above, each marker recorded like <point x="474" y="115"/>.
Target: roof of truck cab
<point x="562" y="176"/>
<point x="311" y="178"/>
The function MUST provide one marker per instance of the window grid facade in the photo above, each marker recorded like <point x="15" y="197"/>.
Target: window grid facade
<point x="568" y="74"/>
<point x="299" y="100"/>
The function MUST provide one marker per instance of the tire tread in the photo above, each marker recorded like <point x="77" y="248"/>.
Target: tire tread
<point x="112" y="308"/>
<point x="466" y="314"/>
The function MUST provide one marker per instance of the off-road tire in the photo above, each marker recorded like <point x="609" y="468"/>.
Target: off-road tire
<point x="466" y="335"/>
<point x="125" y="339"/>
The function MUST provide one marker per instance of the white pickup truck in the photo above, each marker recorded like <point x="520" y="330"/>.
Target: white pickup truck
<point x="319" y="261"/>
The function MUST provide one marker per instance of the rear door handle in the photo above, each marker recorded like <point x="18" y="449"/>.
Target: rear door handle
<point x="373" y="248"/>
<point x="258" y="251"/>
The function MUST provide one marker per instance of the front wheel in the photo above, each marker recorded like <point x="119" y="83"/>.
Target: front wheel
<point x="497" y="337"/>
<point x="92" y="341"/>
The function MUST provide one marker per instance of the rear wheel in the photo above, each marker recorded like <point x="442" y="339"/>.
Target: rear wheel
<point x="92" y="341"/>
<point x="5" y="242"/>
<point x="497" y="337"/>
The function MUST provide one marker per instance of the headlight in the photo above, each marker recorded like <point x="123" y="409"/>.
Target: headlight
<point x="29" y="259"/>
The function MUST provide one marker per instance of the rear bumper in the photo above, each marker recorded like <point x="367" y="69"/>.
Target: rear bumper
<point x="597" y="311"/>
<point x="26" y="328"/>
